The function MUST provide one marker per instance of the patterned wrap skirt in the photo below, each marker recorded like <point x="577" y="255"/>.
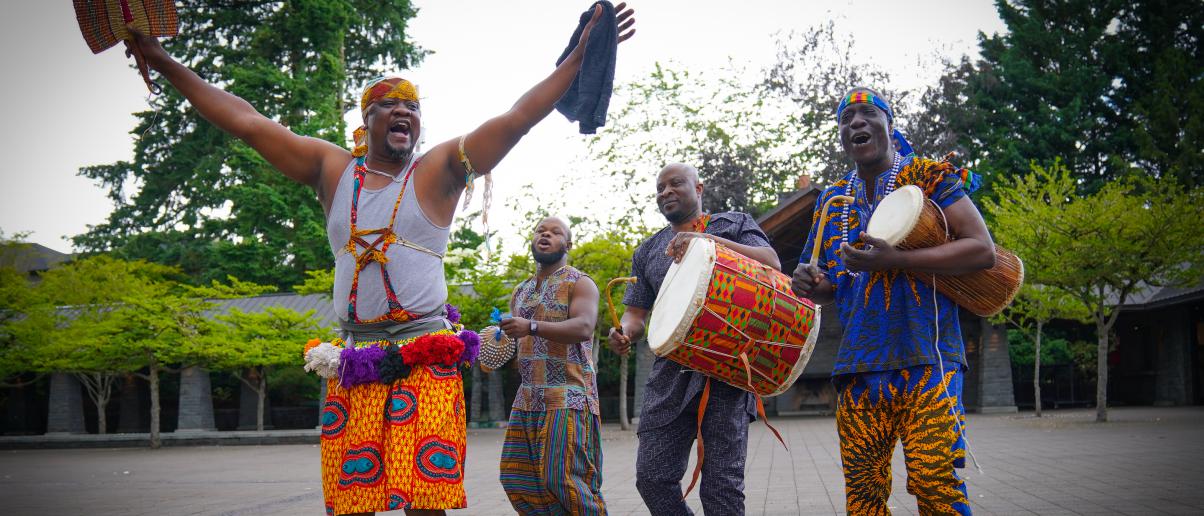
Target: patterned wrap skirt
<point x="395" y="446"/>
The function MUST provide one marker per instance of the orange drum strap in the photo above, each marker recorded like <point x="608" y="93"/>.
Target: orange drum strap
<point x="702" y="407"/>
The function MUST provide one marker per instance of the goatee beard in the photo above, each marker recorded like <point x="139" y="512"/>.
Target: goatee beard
<point x="397" y="154"/>
<point x="548" y="258"/>
<point x="677" y="217"/>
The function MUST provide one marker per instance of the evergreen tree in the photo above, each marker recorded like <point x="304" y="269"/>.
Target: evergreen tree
<point x="207" y="203"/>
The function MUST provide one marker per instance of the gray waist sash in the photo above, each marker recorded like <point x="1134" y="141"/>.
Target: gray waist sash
<point x="393" y="331"/>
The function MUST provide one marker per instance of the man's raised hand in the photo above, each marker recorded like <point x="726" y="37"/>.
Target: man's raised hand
<point x="624" y="21"/>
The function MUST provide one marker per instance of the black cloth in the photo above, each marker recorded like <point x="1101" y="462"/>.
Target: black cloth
<point x="671" y="387"/>
<point x="588" y="97"/>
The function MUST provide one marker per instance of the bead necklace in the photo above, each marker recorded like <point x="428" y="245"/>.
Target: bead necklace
<point x="395" y="178"/>
<point x="854" y="185"/>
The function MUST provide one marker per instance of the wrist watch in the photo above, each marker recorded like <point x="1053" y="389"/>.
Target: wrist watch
<point x="534" y="328"/>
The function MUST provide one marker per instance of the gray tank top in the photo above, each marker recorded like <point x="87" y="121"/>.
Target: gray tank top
<point x="417" y="277"/>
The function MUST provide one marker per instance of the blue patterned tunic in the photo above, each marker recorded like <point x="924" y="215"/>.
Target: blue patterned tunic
<point x="889" y="317"/>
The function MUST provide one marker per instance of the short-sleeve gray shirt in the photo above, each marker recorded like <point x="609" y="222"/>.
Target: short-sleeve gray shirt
<point x="670" y="386"/>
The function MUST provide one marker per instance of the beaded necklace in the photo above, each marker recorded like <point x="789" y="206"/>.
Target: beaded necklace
<point x="881" y="189"/>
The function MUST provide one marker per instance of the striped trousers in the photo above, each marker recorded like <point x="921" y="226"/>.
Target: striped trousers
<point x="552" y="463"/>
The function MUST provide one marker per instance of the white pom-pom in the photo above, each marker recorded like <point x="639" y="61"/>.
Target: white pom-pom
<point x="323" y="359"/>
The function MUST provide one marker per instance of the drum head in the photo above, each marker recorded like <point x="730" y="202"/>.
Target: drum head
<point x="896" y="215"/>
<point x="681" y="297"/>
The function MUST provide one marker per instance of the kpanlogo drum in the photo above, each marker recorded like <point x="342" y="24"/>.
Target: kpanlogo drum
<point x="733" y="319"/>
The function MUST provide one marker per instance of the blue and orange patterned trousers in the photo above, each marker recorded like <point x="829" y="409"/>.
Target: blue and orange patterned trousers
<point x="876" y="410"/>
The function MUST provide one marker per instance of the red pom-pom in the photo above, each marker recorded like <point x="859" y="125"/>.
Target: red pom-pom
<point x="433" y="350"/>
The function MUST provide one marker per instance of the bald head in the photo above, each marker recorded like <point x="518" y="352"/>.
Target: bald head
<point x="679" y="192"/>
<point x="551" y="241"/>
<point x="680" y="169"/>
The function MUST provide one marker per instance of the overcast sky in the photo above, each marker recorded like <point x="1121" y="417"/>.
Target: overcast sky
<point x="65" y="108"/>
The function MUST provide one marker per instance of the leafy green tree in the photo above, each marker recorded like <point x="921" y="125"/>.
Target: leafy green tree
<point x="318" y="281"/>
<point x="605" y="257"/>
<point x="813" y="69"/>
<point x="235" y="289"/>
<point x="81" y="298"/>
<point x="261" y="341"/>
<point x="205" y="202"/>
<point x="1159" y="58"/>
<point x="26" y="319"/>
<point x="1102" y="248"/>
<point x="731" y="131"/>
<point x="1034" y="307"/>
<point x="1043" y="88"/>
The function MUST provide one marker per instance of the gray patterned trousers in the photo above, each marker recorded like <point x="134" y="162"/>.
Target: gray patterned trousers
<point x="664" y="454"/>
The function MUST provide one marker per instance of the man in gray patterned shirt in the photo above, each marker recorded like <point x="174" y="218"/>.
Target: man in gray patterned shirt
<point x="668" y="419"/>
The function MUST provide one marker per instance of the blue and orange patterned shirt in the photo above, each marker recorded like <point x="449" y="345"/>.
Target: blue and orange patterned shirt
<point x="889" y="317"/>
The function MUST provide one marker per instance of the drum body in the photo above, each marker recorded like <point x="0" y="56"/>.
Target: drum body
<point x="733" y="319"/>
<point x="907" y="219"/>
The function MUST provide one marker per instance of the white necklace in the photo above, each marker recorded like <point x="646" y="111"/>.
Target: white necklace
<point x="396" y="178"/>
<point x="852" y="190"/>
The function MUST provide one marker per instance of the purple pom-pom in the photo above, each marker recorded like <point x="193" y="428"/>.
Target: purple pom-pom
<point x="472" y="346"/>
<point x="358" y="365"/>
<point x="453" y="313"/>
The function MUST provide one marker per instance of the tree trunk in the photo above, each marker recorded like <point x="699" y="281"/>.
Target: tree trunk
<point x="1037" y="372"/>
<point x="1101" y="372"/>
<point x="624" y="422"/>
<point x="100" y="390"/>
<point x="102" y="420"/>
<point x="153" y="378"/>
<point x="262" y="392"/>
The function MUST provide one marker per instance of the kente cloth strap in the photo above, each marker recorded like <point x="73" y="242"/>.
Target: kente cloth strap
<point x="865" y="97"/>
<point x="372" y="253"/>
<point x="701" y="223"/>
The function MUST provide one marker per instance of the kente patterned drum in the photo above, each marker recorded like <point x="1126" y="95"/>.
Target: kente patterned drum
<point x="734" y="319"/>
<point x="908" y="220"/>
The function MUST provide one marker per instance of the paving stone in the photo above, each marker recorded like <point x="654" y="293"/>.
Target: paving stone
<point x="1145" y="461"/>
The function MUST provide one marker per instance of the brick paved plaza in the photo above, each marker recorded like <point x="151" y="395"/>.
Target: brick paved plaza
<point x="1145" y="461"/>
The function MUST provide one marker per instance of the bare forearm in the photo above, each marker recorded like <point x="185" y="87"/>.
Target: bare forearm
<point x="569" y="331"/>
<point x="228" y="112"/>
<point x="633" y="323"/>
<point x="954" y="258"/>
<point x="537" y="103"/>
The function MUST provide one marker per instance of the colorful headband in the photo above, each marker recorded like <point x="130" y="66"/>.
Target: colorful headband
<point x="376" y="90"/>
<point x="865" y="97"/>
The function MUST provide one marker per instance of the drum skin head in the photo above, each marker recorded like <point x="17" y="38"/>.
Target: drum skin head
<point x="681" y="297"/>
<point x="896" y="215"/>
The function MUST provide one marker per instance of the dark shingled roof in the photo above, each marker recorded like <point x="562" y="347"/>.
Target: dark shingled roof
<point x="1158" y="297"/>
<point x="26" y="257"/>
<point x="319" y="303"/>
